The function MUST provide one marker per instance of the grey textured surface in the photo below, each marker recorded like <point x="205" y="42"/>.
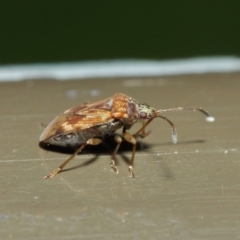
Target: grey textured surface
<point x="190" y="190"/>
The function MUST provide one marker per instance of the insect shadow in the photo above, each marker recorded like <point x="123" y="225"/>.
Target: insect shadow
<point x="107" y="147"/>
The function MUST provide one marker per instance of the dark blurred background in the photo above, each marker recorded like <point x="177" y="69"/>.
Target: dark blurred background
<point x="57" y="31"/>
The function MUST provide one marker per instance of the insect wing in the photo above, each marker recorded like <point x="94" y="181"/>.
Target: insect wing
<point x="105" y="104"/>
<point x="79" y="118"/>
<point x="87" y="116"/>
<point x="84" y="120"/>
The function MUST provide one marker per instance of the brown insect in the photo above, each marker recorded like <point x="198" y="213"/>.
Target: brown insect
<point x="90" y="123"/>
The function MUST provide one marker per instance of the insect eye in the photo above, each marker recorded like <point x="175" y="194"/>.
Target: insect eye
<point x="143" y="115"/>
<point x="57" y="138"/>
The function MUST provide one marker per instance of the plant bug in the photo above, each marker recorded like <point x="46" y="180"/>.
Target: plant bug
<point x="90" y="123"/>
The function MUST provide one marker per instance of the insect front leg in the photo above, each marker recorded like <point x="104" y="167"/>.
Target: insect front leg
<point x="141" y="132"/>
<point x="130" y="138"/>
<point x="92" y="141"/>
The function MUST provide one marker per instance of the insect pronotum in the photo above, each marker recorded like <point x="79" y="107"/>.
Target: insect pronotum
<point x="90" y="123"/>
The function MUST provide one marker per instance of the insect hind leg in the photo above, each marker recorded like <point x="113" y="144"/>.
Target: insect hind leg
<point x="92" y="141"/>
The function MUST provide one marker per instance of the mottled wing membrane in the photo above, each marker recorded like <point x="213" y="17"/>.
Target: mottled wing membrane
<point x="103" y="104"/>
<point x="79" y="122"/>
<point x="86" y="116"/>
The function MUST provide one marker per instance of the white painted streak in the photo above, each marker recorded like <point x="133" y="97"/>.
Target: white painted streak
<point x="119" y="68"/>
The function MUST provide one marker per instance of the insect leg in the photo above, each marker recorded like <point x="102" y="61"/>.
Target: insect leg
<point x="141" y="132"/>
<point x="92" y="141"/>
<point x="118" y="139"/>
<point x="130" y="138"/>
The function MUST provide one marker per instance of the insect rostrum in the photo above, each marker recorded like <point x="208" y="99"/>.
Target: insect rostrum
<point x="89" y="123"/>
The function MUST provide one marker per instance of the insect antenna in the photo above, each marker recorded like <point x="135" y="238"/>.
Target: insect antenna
<point x="174" y="131"/>
<point x="183" y="108"/>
